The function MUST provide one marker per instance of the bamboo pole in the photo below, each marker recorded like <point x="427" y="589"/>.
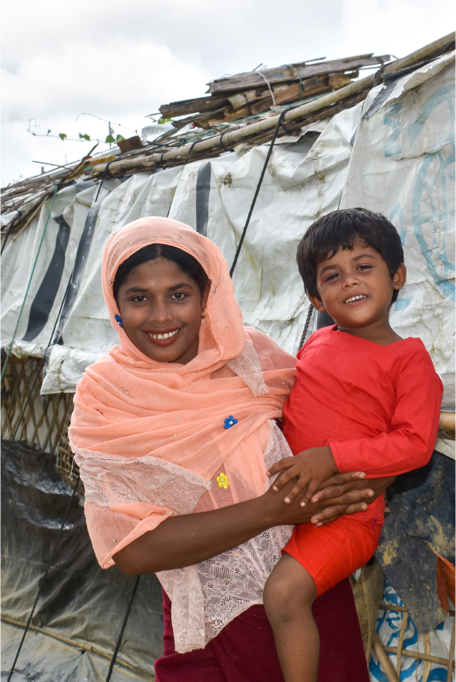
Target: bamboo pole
<point x="232" y="138"/>
<point x="447" y="421"/>
<point x="451" y="654"/>
<point x="419" y="656"/>
<point x="80" y="645"/>
<point x="427" y="662"/>
<point x="400" y="642"/>
<point x="383" y="659"/>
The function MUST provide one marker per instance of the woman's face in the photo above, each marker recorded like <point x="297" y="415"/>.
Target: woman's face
<point x="161" y="309"/>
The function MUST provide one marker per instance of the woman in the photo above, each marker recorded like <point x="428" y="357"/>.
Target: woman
<point x="173" y="433"/>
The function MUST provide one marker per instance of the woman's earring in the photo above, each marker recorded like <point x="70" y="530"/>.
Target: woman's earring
<point x="118" y="319"/>
<point x="203" y="314"/>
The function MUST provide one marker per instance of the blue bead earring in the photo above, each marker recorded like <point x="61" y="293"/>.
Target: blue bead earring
<point x="119" y="320"/>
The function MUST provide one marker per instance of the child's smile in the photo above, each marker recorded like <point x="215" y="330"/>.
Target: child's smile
<point x="355" y="287"/>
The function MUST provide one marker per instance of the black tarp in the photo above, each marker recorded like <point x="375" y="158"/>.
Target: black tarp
<point x="421" y="523"/>
<point x="80" y="601"/>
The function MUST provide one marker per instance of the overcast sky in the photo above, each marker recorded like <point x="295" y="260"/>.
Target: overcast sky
<point x="121" y="60"/>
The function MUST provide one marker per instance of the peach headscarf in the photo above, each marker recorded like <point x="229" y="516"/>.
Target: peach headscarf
<point x="129" y="406"/>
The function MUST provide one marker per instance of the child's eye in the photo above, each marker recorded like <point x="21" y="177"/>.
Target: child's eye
<point x="333" y="275"/>
<point x="364" y="267"/>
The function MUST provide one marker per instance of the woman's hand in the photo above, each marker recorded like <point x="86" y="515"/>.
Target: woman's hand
<point x="347" y="494"/>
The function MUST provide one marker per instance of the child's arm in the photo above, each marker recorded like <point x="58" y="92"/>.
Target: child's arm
<point x="409" y="442"/>
<point x="407" y="445"/>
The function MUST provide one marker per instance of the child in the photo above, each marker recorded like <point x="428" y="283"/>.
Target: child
<point x="364" y="400"/>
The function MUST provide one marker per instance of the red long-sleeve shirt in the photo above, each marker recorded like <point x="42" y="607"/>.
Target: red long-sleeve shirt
<point x="377" y="407"/>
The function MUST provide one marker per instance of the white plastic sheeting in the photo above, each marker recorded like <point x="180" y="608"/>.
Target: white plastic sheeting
<point x="403" y="165"/>
<point x="393" y="153"/>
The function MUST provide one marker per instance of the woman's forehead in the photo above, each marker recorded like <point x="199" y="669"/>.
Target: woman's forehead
<point x="158" y="270"/>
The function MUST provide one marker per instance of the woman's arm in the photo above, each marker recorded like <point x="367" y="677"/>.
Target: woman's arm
<point x="185" y="540"/>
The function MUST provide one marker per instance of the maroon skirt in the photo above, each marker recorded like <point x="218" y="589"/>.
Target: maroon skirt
<point x="245" y="652"/>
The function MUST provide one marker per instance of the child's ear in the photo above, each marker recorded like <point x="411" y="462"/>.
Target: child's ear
<point x="400" y="277"/>
<point x="317" y="304"/>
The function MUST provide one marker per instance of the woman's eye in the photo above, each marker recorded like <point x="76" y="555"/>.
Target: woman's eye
<point x="179" y="296"/>
<point x="138" y="299"/>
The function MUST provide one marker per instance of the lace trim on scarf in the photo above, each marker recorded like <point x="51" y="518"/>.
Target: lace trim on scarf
<point x="111" y="481"/>
<point x="248" y="367"/>
<point x="206" y="597"/>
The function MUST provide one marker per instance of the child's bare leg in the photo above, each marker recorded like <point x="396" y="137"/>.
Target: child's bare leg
<point x="288" y="597"/>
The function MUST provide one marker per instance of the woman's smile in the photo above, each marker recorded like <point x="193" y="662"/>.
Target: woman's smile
<point x="163" y="338"/>
<point x="161" y="309"/>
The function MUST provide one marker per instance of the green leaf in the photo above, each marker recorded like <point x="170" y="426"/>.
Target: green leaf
<point x="110" y="139"/>
<point x="119" y="138"/>
<point x="84" y="137"/>
<point x="62" y="136"/>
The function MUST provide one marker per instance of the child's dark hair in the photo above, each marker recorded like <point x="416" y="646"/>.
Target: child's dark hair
<point x="340" y="230"/>
<point x="184" y="260"/>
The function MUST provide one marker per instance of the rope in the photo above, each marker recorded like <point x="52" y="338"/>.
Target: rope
<point x="306" y="325"/>
<point x="221" y="142"/>
<point x="30" y="280"/>
<point x="260" y="181"/>
<point x="43" y="579"/>
<point x="38" y="374"/>
<point x="269" y="86"/>
<point x="103" y="177"/>
<point x="122" y="629"/>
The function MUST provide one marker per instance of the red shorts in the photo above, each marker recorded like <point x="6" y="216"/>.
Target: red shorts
<point x="331" y="553"/>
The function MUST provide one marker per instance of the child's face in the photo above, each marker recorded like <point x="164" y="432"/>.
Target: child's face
<point x="356" y="288"/>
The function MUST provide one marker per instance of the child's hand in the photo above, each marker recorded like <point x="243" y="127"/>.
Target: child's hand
<point x="311" y="467"/>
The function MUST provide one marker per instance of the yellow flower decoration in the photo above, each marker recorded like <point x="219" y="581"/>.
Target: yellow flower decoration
<point x="222" y="480"/>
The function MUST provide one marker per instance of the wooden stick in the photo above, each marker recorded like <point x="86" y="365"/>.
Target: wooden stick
<point x="80" y="645"/>
<point x="427" y="663"/>
<point x="393" y="607"/>
<point x="384" y="659"/>
<point x="451" y="652"/>
<point x="419" y="656"/>
<point x="400" y="642"/>
<point x="447" y="421"/>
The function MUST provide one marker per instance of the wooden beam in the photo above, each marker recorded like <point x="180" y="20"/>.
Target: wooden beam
<point x="289" y="72"/>
<point x="192" y="106"/>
